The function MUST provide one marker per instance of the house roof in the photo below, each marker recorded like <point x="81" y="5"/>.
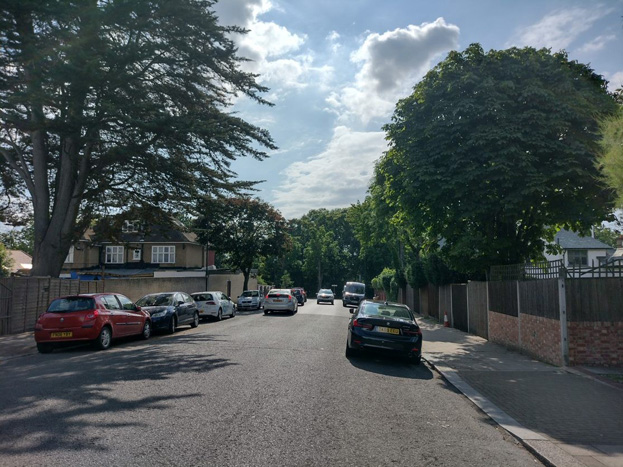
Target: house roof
<point x="155" y="234"/>
<point x="21" y="261"/>
<point x="572" y="241"/>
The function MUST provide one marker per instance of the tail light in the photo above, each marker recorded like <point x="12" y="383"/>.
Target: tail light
<point x="358" y="324"/>
<point x="210" y="303"/>
<point x="411" y="332"/>
<point x="94" y="314"/>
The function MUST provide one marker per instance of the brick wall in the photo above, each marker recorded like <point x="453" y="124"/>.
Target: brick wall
<point x="540" y="338"/>
<point x="596" y="343"/>
<point x="504" y="329"/>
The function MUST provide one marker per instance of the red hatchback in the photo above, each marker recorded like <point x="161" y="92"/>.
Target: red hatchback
<point x="98" y="318"/>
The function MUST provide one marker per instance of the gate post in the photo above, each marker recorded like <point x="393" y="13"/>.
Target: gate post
<point x="562" y="301"/>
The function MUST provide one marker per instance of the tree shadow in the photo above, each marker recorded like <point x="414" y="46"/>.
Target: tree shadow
<point x="52" y="402"/>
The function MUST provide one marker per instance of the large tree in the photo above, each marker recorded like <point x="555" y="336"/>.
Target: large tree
<point x="243" y="228"/>
<point x="107" y="104"/>
<point x="611" y="157"/>
<point x="494" y="150"/>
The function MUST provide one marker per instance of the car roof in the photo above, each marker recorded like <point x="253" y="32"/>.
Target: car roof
<point x="207" y="291"/>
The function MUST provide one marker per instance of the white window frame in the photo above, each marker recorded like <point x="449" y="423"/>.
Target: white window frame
<point x="136" y="254"/>
<point x="574" y="255"/>
<point x="163" y="254"/>
<point x="114" y="255"/>
<point x="70" y="255"/>
<point x="130" y="226"/>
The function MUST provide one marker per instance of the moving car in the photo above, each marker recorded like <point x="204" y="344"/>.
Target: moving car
<point x="385" y="327"/>
<point x="280" y="300"/>
<point x="353" y="293"/>
<point x="98" y="318"/>
<point x="250" y="300"/>
<point x="300" y="298"/>
<point x="302" y="291"/>
<point x="214" y="304"/>
<point x="325" y="295"/>
<point x="169" y="310"/>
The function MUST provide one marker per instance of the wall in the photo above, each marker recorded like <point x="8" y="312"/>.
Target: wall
<point x="504" y="329"/>
<point x="596" y="343"/>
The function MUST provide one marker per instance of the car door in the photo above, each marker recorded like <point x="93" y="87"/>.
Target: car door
<point x="118" y="317"/>
<point x="134" y="318"/>
<point x="181" y="308"/>
<point x="191" y="306"/>
<point x="228" y="306"/>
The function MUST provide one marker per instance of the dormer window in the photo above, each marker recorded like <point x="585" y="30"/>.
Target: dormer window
<point x="130" y="226"/>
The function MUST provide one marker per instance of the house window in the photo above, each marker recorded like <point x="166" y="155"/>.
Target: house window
<point x="163" y="254"/>
<point x="114" y="254"/>
<point x="577" y="257"/>
<point x="136" y="255"/>
<point x="130" y="226"/>
<point x="70" y="255"/>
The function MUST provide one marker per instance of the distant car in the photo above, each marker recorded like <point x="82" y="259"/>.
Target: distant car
<point x="98" y="318"/>
<point x="325" y="295"/>
<point x="250" y="300"/>
<point x="300" y="298"/>
<point x="384" y="327"/>
<point x="280" y="300"/>
<point x="302" y="291"/>
<point x="214" y="305"/>
<point x="353" y="293"/>
<point x="169" y="310"/>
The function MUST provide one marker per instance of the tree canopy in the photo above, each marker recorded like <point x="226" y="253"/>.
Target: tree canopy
<point x="243" y="228"/>
<point x="109" y="104"/>
<point x="611" y="157"/>
<point x="493" y="151"/>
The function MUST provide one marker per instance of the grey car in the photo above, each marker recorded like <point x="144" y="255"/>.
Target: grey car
<point x="250" y="300"/>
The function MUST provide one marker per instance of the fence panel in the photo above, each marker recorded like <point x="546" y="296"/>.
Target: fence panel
<point x="595" y="300"/>
<point x="6" y="295"/>
<point x="540" y="298"/>
<point x="445" y="302"/>
<point x="459" y="306"/>
<point x="433" y="301"/>
<point x="477" y="308"/>
<point x="503" y="297"/>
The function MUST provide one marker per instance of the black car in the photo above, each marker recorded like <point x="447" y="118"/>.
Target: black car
<point x="169" y="310"/>
<point x="300" y="298"/>
<point x="384" y="327"/>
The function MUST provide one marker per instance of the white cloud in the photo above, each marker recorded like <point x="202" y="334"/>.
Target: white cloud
<point x="596" y="44"/>
<point x="560" y="28"/>
<point x="615" y="80"/>
<point x="391" y="63"/>
<point x="335" y="178"/>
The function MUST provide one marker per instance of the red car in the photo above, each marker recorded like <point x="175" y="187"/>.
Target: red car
<point x="98" y="318"/>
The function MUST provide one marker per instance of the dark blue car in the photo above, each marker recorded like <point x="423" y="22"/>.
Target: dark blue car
<point x="169" y="310"/>
<point x="384" y="327"/>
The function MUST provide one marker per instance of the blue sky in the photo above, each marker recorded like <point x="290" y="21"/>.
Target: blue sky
<point x="336" y="69"/>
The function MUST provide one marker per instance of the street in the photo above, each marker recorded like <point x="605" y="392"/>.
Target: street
<point x="253" y="390"/>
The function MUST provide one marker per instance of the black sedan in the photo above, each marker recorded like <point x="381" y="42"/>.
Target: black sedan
<point x="384" y="327"/>
<point x="169" y="310"/>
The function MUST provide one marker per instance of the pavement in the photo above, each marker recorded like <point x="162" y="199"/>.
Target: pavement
<point x="564" y="416"/>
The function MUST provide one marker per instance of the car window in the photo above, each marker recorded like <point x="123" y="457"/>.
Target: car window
<point x="202" y="297"/>
<point x="375" y="309"/>
<point x="111" y="302"/>
<point x="156" y="300"/>
<point x="187" y="298"/>
<point x="126" y="303"/>
<point x="69" y="304"/>
<point x="225" y="297"/>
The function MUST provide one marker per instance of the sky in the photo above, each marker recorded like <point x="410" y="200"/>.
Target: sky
<point x="337" y="68"/>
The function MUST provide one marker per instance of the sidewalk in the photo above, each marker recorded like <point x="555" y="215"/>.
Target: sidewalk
<point x="566" y="416"/>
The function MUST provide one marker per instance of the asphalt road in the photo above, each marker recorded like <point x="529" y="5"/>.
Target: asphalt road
<point x="254" y="390"/>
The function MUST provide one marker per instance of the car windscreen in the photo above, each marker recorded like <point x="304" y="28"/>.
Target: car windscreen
<point x="355" y="288"/>
<point x="69" y="304"/>
<point x="250" y="293"/>
<point x="278" y="293"/>
<point x="391" y="311"/>
<point x="325" y="291"/>
<point x="156" y="300"/>
<point x="202" y="297"/>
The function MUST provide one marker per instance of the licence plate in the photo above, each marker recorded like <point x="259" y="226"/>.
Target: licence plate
<point x="388" y="330"/>
<point x="61" y="334"/>
<point x="277" y="300"/>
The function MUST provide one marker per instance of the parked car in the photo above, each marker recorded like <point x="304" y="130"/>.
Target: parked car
<point x="300" y="298"/>
<point x="250" y="300"/>
<point x="280" y="300"/>
<point x="98" y="318"/>
<point x="384" y="327"/>
<point x="214" y="305"/>
<point x="302" y="291"/>
<point x="169" y="310"/>
<point x="353" y="293"/>
<point x="325" y="295"/>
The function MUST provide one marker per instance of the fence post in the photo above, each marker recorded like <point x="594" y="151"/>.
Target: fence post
<point x="518" y="316"/>
<point x="562" y="300"/>
<point x="467" y="304"/>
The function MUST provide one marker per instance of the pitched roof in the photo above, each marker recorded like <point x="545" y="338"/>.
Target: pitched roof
<point x="572" y="241"/>
<point x="21" y="260"/>
<point x="154" y="234"/>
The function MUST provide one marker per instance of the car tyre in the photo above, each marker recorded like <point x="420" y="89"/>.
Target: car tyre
<point x="195" y="322"/>
<point x="349" y="352"/>
<point x="415" y="360"/>
<point x="172" y="325"/>
<point x="104" y="339"/>
<point x="331" y="302"/>
<point x="266" y="311"/>
<point x="45" y="348"/>
<point x="146" y="334"/>
<point x="233" y="312"/>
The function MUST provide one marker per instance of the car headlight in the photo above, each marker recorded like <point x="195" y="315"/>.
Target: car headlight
<point x="159" y="314"/>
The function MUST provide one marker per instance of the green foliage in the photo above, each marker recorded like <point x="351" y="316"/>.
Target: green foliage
<point x="6" y="262"/>
<point x="387" y="282"/>
<point x="416" y="274"/>
<point x="606" y="235"/>
<point x="611" y="157"/>
<point x="19" y="239"/>
<point x="491" y="149"/>
<point x="286" y="281"/>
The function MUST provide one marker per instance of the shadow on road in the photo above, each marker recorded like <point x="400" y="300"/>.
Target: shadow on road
<point x="390" y="366"/>
<point x="50" y="402"/>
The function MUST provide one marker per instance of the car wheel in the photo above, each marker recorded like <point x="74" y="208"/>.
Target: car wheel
<point x="317" y="302"/>
<point x="219" y="315"/>
<point x="172" y="325"/>
<point x="104" y="340"/>
<point x="415" y="360"/>
<point x="233" y="312"/>
<point x="195" y="322"/>
<point x="45" y="348"/>
<point x="146" y="334"/>
<point x="344" y="304"/>
<point x="266" y="311"/>
<point x="331" y="303"/>
<point x="350" y="352"/>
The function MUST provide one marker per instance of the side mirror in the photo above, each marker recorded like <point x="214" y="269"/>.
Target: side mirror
<point x="180" y="303"/>
<point x="352" y="310"/>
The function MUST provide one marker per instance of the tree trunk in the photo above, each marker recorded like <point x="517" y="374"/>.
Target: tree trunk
<point x="246" y="272"/>
<point x="320" y="275"/>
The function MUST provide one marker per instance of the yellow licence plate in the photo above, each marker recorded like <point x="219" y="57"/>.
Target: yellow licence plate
<point x="277" y="300"/>
<point x="61" y="334"/>
<point x="388" y="330"/>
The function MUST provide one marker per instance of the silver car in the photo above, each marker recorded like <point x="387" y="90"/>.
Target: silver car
<point x="250" y="300"/>
<point x="325" y="295"/>
<point x="280" y="300"/>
